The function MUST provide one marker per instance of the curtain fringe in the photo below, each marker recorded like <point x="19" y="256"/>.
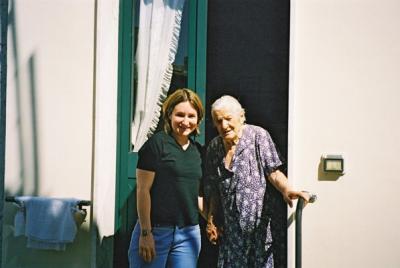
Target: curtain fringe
<point x="167" y="74"/>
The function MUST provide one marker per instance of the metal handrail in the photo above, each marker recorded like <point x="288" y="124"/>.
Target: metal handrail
<point x="80" y="203"/>
<point x="299" y="212"/>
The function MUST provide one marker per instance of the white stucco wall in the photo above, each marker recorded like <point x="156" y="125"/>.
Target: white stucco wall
<point x="106" y="115"/>
<point x="57" y="37"/>
<point x="344" y="93"/>
<point x="105" y="135"/>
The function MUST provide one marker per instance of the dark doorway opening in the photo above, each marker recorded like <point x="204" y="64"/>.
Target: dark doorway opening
<point x="248" y="58"/>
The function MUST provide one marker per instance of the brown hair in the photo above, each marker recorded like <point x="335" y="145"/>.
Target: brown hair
<point x="182" y="95"/>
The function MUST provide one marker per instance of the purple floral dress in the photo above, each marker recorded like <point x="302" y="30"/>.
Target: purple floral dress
<point x="246" y="240"/>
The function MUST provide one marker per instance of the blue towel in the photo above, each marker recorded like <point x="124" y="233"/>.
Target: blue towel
<point x="48" y="223"/>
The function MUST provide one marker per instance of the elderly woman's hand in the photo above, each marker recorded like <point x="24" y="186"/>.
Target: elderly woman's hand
<point x="279" y="180"/>
<point x="290" y="195"/>
<point x="213" y="232"/>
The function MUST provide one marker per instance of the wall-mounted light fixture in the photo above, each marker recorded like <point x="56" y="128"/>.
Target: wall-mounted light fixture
<point x="333" y="163"/>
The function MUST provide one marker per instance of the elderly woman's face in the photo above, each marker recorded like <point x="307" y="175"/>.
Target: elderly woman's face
<point x="228" y="124"/>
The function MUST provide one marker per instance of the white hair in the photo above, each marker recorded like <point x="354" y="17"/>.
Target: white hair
<point x="228" y="103"/>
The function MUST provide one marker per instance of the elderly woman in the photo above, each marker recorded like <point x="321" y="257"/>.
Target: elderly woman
<point x="238" y="164"/>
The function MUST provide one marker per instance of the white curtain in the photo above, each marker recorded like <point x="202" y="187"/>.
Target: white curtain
<point x="159" y="27"/>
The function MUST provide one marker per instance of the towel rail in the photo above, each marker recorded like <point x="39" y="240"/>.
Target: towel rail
<point x="81" y="203"/>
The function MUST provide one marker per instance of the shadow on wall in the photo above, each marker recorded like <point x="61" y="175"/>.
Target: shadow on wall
<point x="327" y="176"/>
<point x="104" y="251"/>
<point x="15" y="253"/>
<point x="128" y="218"/>
<point x="24" y="166"/>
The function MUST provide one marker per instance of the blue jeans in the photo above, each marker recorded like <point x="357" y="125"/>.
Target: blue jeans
<point x="175" y="247"/>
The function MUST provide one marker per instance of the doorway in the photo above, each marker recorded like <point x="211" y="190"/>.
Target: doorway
<point x="248" y="58"/>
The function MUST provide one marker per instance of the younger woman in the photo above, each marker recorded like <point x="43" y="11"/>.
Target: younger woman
<point x="168" y="174"/>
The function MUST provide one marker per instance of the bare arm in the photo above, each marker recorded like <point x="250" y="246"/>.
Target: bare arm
<point x="145" y="180"/>
<point x="280" y="182"/>
<point x="202" y="207"/>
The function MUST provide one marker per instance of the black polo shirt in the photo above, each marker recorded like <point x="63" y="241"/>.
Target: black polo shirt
<point x="177" y="177"/>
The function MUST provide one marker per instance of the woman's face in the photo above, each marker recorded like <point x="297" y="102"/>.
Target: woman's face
<point x="228" y="124"/>
<point x="184" y="119"/>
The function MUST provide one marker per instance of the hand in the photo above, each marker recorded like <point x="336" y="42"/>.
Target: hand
<point x="291" y="195"/>
<point x="213" y="233"/>
<point x="146" y="247"/>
